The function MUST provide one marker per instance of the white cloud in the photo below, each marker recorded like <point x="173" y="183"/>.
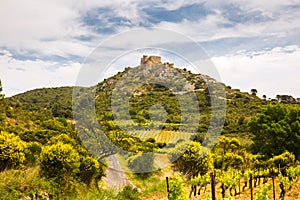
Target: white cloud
<point x="205" y="29"/>
<point x="53" y="28"/>
<point x="46" y="27"/>
<point x="271" y="72"/>
<point x="217" y="26"/>
<point x="33" y="20"/>
<point x="21" y="75"/>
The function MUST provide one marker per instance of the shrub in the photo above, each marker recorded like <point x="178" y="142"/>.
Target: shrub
<point x="89" y="169"/>
<point x="11" y="151"/>
<point x="60" y="161"/>
<point x="32" y="153"/>
<point x="176" y="189"/>
<point x="141" y="163"/>
<point x="128" y="193"/>
<point x="263" y="193"/>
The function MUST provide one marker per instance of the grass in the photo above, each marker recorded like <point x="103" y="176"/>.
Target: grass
<point x="97" y="195"/>
<point x="21" y="183"/>
<point x="18" y="183"/>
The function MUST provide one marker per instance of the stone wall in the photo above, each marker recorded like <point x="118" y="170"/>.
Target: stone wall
<point x="148" y="60"/>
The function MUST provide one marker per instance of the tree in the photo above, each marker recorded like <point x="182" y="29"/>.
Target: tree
<point x="283" y="160"/>
<point x="1" y="95"/>
<point x="276" y="130"/>
<point x="254" y="92"/>
<point x="229" y="153"/>
<point x="193" y="160"/>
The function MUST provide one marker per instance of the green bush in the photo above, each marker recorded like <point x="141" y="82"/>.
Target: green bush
<point x="12" y="151"/>
<point x="177" y="190"/>
<point x="128" y="193"/>
<point x="263" y="193"/>
<point x="89" y="169"/>
<point x="141" y="163"/>
<point x="283" y="160"/>
<point x="32" y="153"/>
<point x="60" y="161"/>
<point x="67" y="162"/>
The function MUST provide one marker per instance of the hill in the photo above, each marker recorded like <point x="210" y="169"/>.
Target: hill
<point x="47" y="134"/>
<point x="57" y="102"/>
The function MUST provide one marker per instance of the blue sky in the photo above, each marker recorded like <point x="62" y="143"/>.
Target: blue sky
<point x="252" y="44"/>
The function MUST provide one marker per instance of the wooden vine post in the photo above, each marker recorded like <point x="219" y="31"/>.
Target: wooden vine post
<point x="168" y="188"/>
<point x="273" y="182"/>
<point x="251" y="187"/>
<point x="213" y="185"/>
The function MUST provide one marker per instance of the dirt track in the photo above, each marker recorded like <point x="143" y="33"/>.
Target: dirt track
<point x="115" y="176"/>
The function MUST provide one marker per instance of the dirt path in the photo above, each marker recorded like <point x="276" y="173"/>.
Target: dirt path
<point x="115" y="176"/>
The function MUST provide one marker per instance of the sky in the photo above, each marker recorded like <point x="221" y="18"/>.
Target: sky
<point x="253" y="44"/>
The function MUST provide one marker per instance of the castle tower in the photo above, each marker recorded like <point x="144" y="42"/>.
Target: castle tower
<point x="151" y="60"/>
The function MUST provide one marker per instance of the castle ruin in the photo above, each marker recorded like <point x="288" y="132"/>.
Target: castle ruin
<point x="149" y="60"/>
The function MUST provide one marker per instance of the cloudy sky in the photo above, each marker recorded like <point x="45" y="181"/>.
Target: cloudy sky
<point x="253" y="44"/>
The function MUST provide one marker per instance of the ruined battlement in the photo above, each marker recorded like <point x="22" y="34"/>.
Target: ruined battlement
<point x="148" y="60"/>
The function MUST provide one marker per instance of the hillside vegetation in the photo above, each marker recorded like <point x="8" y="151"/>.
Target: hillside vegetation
<point x="43" y="152"/>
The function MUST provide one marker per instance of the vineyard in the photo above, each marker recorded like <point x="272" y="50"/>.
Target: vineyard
<point x="250" y="184"/>
<point x="234" y="182"/>
<point x="163" y="135"/>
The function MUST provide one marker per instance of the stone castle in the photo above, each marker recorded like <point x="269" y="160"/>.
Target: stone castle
<point x="150" y="60"/>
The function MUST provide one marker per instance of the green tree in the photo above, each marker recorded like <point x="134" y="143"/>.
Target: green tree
<point x="193" y="161"/>
<point x="253" y="92"/>
<point x="283" y="160"/>
<point x="276" y="130"/>
<point x="1" y="95"/>
<point x="228" y="153"/>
